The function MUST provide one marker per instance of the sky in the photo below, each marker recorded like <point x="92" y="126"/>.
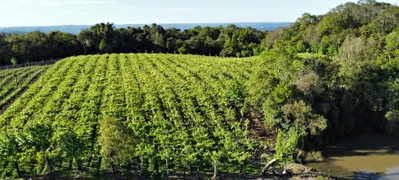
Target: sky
<point x="89" y="12"/>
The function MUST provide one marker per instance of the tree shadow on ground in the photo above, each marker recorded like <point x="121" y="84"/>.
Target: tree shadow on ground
<point x="363" y="145"/>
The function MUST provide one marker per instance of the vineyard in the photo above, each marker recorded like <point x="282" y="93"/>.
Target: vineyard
<point x="144" y="113"/>
<point x="14" y="82"/>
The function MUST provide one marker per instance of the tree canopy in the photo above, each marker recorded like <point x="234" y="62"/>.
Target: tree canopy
<point x="229" y="41"/>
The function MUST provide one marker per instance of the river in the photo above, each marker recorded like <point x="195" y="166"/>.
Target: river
<point x="371" y="156"/>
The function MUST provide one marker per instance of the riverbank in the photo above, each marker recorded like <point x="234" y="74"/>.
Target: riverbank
<point x="369" y="156"/>
<point x="295" y="172"/>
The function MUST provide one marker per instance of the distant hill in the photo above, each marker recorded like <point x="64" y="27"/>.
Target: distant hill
<point x="75" y="29"/>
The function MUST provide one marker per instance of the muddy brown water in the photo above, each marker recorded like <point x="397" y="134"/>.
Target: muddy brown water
<point x="371" y="156"/>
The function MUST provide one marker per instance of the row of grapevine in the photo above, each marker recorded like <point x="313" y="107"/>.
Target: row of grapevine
<point x="218" y="79"/>
<point x="6" y="73"/>
<point x="14" y="82"/>
<point x="151" y="114"/>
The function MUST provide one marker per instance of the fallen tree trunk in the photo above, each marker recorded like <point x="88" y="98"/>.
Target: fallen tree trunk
<point x="268" y="165"/>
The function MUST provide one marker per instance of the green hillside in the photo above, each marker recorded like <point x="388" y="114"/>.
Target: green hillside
<point x="137" y="111"/>
<point x="14" y="82"/>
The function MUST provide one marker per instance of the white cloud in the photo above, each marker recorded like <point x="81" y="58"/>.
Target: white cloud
<point x="180" y="10"/>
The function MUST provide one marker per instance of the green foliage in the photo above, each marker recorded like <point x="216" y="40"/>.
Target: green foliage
<point x="104" y="38"/>
<point x="5" y="50"/>
<point x="287" y="145"/>
<point x="14" y="61"/>
<point x="311" y="55"/>
<point x="393" y="121"/>
<point x="38" y="136"/>
<point x="71" y="146"/>
<point x="351" y="58"/>
<point x="236" y="92"/>
<point x="170" y="113"/>
<point x="37" y="139"/>
<point x="343" y="80"/>
<point x="104" y="47"/>
<point x="328" y="25"/>
<point x="15" y="81"/>
<point x="116" y="141"/>
<point x="308" y="82"/>
<point x="9" y="149"/>
<point x="299" y="123"/>
<point x="392" y="45"/>
<point x="174" y="113"/>
<point x="390" y="83"/>
<point x="299" y="115"/>
<point x="324" y="34"/>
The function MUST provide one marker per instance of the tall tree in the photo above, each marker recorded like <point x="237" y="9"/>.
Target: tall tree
<point x="117" y="142"/>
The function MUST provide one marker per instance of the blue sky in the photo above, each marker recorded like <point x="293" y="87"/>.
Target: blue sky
<point x="88" y="12"/>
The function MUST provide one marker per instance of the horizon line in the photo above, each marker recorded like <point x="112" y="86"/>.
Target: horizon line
<point x="3" y="27"/>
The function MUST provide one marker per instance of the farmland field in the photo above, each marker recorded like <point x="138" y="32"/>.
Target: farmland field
<point x="178" y="112"/>
<point x="14" y="82"/>
<point x="317" y="99"/>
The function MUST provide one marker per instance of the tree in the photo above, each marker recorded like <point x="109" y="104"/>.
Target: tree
<point x="99" y="38"/>
<point x="29" y="47"/>
<point x="9" y="149"/>
<point x="117" y="142"/>
<point x="104" y="47"/>
<point x="391" y="86"/>
<point x="392" y="45"/>
<point x="351" y="58"/>
<point x="329" y="24"/>
<point x="37" y="136"/>
<point x="306" y="20"/>
<point x="72" y="146"/>
<point x="60" y="45"/>
<point x="387" y="21"/>
<point x="14" y="61"/>
<point x="5" y="50"/>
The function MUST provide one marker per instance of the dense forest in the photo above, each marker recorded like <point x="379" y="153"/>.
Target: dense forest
<point x="229" y="41"/>
<point x="339" y="69"/>
<point x="322" y="79"/>
<point x="326" y="77"/>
